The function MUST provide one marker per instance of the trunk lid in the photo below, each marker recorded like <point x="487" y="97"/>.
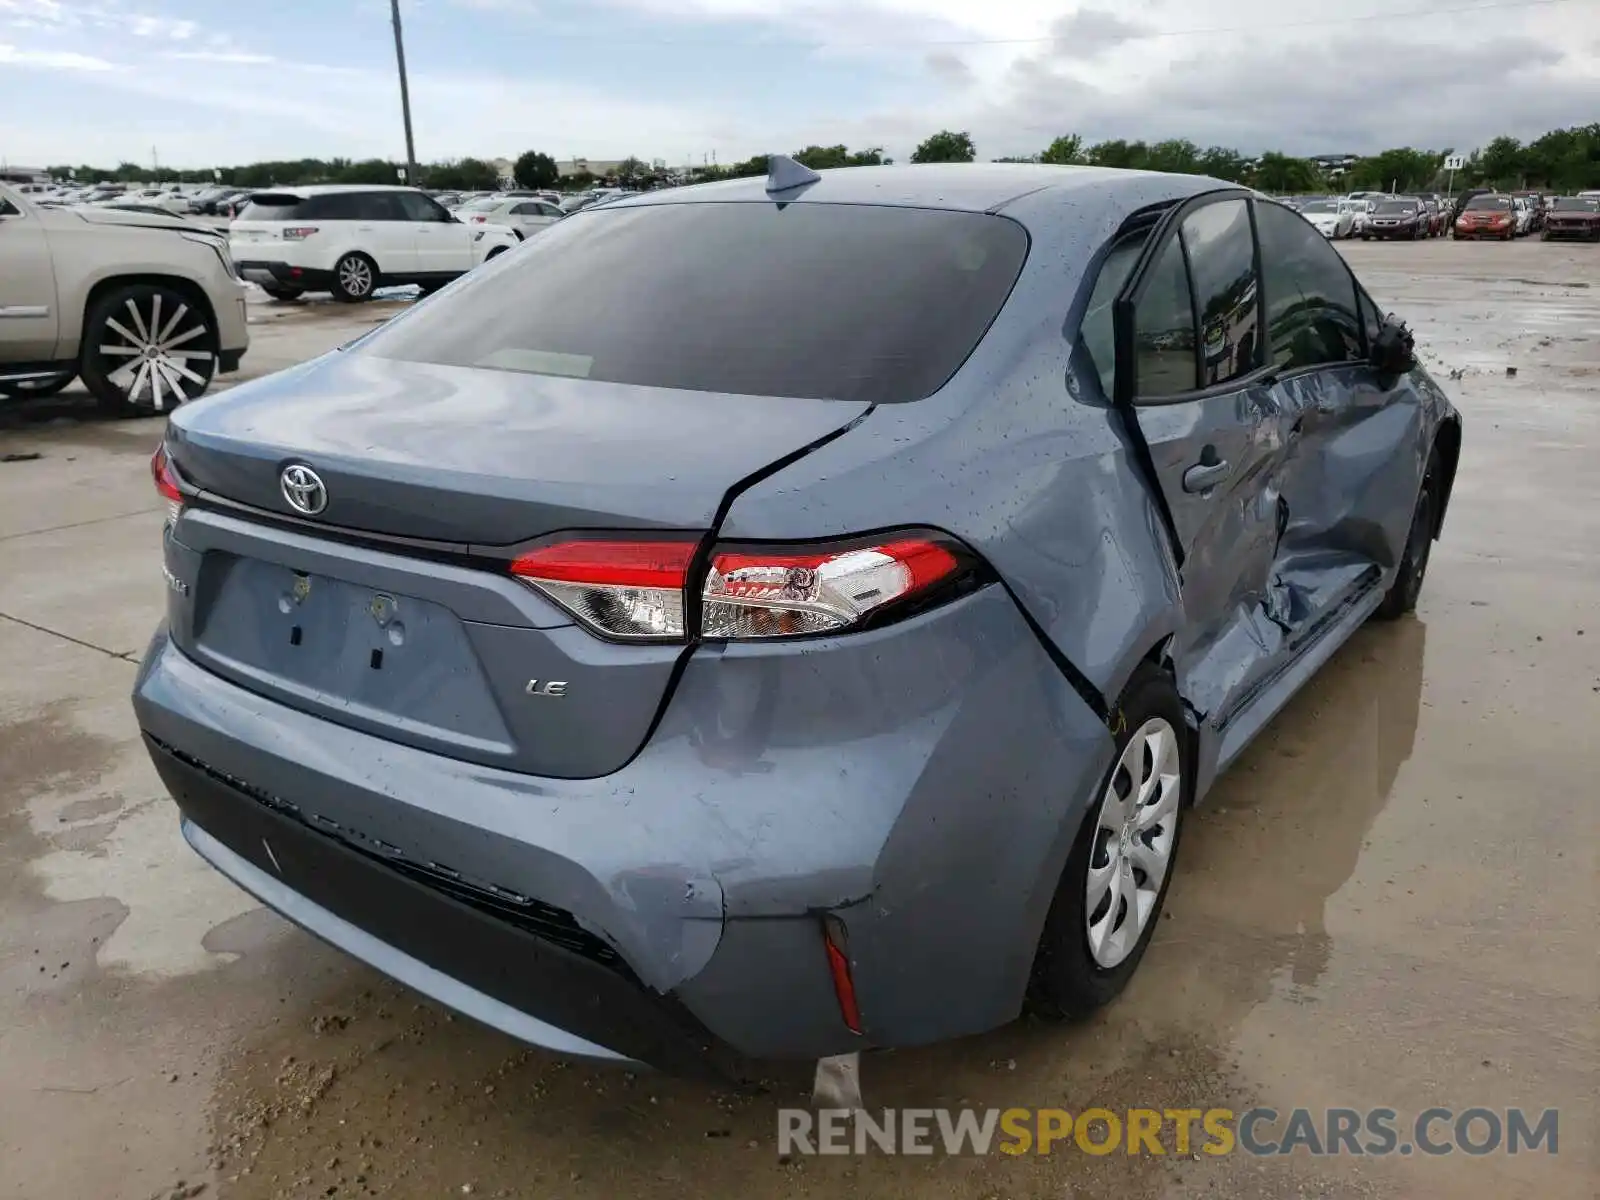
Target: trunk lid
<point x="429" y="649"/>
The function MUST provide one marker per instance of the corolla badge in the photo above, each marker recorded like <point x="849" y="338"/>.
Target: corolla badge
<point x="303" y="489"/>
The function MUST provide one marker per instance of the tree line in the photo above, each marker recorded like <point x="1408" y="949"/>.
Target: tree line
<point x="1563" y="160"/>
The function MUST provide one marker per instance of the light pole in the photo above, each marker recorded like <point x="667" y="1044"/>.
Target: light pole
<point x="405" y="92"/>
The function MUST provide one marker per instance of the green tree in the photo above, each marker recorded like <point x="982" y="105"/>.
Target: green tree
<point x="1118" y="153"/>
<point x="629" y="170"/>
<point x="1017" y="158"/>
<point x="1064" y="151"/>
<point x="945" y="147"/>
<point x="129" y="172"/>
<point x="536" y="170"/>
<point x="1178" y="156"/>
<point x="1219" y="162"/>
<point x="1281" y="173"/>
<point x="1502" y="162"/>
<point x="1401" y="168"/>
<point x="823" y="158"/>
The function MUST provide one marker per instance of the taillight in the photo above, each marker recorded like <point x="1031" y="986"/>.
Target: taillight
<point x="621" y="589"/>
<point x="298" y="233"/>
<point x="638" y="589"/>
<point x="479" y="220"/>
<point x="166" y="481"/>
<point x="762" y="593"/>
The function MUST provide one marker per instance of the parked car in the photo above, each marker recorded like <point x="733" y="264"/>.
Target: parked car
<point x="1401" y="217"/>
<point x="1487" y="215"/>
<point x="146" y="308"/>
<point x="520" y="216"/>
<point x="1573" y="217"/>
<point x="1357" y="209"/>
<point x="348" y="239"/>
<point x="1333" y="219"/>
<point x="1521" y="217"/>
<point x="670" y="674"/>
<point x="1535" y="205"/>
<point x="1433" y="215"/>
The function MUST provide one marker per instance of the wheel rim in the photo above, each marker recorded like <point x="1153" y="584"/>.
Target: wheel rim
<point x="355" y="276"/>
<point x="155" y="346"/>
<point x="1135" y="832"/>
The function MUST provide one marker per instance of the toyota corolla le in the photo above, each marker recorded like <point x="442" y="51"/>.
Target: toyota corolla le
<point x="782" y="618"/>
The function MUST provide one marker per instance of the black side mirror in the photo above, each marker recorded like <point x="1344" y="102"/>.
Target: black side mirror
<point x="1394" y="350"/>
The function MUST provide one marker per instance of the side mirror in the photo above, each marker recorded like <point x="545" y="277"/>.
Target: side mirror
<point x="1394" y="350"/>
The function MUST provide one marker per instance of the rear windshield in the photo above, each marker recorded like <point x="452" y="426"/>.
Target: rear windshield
<point x="270" y="206"/>
<point x="1488" y="203"/>
<point x="847" y="302"/>
<point x="1574" y="204"/>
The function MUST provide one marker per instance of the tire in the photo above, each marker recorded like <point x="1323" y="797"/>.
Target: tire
<point x="37" y="389"/>
<point x="1403" y="593"/>
<point x="355" y="278"/>
<point x="283" y="293"/>
<point x="495" y="253"/>
<point x="147" y="348"/>
<point x="1074" y="973"/>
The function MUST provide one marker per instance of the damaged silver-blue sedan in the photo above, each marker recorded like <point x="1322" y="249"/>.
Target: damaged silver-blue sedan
<point x="785" y="617"/>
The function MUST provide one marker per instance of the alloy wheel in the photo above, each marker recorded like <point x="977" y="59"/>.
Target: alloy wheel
<point x="1135" y="833"/>
<point x="151" y="351"/>
<point x="355" y="276"/>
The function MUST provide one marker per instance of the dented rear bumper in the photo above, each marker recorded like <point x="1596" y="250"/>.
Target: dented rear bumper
<point x="920" y="782"/>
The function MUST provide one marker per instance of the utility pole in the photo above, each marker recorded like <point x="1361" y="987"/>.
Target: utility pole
<point x="405" y="92"/>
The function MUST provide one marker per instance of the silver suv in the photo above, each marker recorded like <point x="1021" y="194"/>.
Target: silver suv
<point x="146" y="309"/>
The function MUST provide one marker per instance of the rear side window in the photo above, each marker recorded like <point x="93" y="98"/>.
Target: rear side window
<point x="1311" y="295"/>
<point x="847" y="302"/>
<point x="1163" y="321"/>
<point x="1222" y="261"/>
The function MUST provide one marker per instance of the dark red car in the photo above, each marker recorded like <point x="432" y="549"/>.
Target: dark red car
<point x="1487" y="216"/>
<point x="1573" y="217"/>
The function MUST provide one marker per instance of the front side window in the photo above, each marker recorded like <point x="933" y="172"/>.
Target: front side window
<point x="1222" y="262"/>
<point x="419" y="208"/>
<point x="1163" y="323"/>
<point x="1311" y="297"/>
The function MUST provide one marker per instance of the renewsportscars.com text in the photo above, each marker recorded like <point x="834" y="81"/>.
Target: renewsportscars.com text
<point x="1215" y="1131"/>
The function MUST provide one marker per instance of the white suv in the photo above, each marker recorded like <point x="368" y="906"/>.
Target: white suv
<point x="352" y="239"/>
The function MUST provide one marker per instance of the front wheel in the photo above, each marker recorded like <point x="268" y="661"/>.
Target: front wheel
<point x="37" y="389"/>
<point x="1109" y="900"/>
<point x="147" y="348"/>
<point x="1403" y="593"/>
<point x="355" y="278"/>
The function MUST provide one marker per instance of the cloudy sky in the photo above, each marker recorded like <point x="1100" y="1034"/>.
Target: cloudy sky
<point x="220" y="81"/>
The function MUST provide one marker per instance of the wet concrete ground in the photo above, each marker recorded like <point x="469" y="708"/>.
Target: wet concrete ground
<point x="1391" y="901"/>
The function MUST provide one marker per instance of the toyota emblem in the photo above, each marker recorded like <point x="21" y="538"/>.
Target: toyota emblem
<point x="304" y="490"/>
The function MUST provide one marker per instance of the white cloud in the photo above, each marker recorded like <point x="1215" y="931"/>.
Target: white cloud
<point x="53" y="60"/>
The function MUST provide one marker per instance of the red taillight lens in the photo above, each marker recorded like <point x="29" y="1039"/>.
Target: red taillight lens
<point x="480" y="220"/>
<point x="298" y="233"/>
<point x="621" y="589"/>
<point x="761" y="593"/>
<point x="166" y="481"/>
<point x="637" y="589"/>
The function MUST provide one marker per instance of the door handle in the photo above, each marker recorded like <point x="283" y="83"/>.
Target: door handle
<point x="1202" y="477"/>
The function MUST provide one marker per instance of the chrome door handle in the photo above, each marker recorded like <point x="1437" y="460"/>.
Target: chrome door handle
<point x="1202" y="477"/>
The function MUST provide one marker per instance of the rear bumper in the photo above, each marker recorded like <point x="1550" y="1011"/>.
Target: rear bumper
<point x="284" y="275"/>
<point x="921" y="783"/>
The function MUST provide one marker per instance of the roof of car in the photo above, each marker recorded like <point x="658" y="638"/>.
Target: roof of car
<point x="969" y="187"/>
<point x="329" y="189"/>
